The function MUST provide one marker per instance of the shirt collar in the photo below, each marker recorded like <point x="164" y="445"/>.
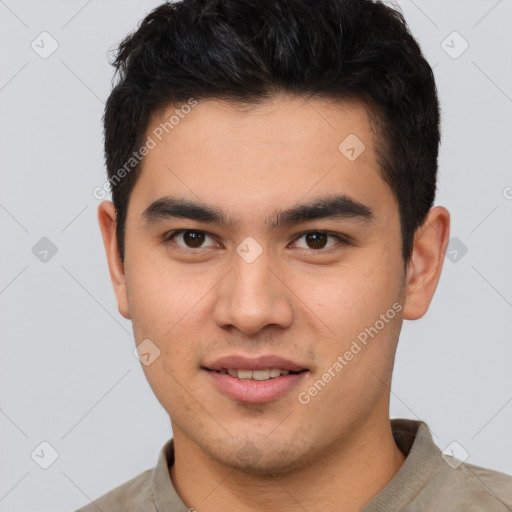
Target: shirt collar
<point x="423" y="458"/>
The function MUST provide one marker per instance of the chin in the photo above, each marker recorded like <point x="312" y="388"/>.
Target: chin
<point x="262" y="461"/>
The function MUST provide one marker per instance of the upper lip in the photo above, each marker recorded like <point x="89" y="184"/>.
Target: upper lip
<point x="256" y="363"/>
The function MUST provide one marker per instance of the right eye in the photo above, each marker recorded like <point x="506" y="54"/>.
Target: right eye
<point x="190" y="238"/>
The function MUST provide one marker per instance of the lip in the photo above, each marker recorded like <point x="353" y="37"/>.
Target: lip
<point x="258" y="363"/>
<point x="254" y="391"/>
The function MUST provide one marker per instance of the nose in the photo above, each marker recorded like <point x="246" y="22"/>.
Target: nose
<point x="252" y="296"/>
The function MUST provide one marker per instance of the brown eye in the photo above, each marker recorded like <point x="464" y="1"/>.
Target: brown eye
<point x="316" y="240"/>
<point x="188" y="238"/>
<point x="193" y="239"/>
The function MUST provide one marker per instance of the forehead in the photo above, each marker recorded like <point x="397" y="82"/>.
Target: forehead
<point x="245" y="158"/>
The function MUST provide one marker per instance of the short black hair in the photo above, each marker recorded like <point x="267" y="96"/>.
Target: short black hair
<point x="244" y="51"/>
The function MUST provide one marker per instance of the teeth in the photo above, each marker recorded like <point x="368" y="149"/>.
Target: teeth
<point x="255" y="374"/>
<point x="260" y="374"/>
<point x="244" y="374"/>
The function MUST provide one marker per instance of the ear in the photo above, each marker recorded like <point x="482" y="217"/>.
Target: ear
<point x="107" y="219"/>
<point x="424" y="269"/>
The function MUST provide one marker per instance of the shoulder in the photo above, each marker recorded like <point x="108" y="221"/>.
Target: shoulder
<point x="491" y="482"/>
<point x="474" y="487"/>
<point x="135" y="494"/>
<point x="439" y="481"/>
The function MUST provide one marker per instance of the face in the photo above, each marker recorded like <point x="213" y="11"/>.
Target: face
<point x="256" y="280"/>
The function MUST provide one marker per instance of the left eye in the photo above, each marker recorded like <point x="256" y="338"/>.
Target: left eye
<point x="318" y="239"/>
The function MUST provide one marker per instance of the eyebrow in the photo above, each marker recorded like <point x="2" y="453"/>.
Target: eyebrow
<point x="330" y="207"/>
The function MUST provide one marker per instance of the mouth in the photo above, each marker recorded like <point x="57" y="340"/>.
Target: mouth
<point x="259" y="375"/>
<point x="261" y="380"/>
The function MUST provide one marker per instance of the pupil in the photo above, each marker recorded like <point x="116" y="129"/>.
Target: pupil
<point x="195" y="237"/>
<point x="315" y="239"/>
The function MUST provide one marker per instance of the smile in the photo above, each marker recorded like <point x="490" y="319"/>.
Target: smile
<point x="267" y="374"/>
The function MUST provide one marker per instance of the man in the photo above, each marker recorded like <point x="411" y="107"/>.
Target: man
<point x="273" y="169"/>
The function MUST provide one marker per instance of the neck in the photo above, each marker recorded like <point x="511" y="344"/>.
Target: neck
<point x="346" y="478"/>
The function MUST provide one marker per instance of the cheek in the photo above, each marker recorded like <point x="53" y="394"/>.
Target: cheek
<point x="162" y="295"/>
<point x="164" y="309"/>
<point x="364" y="340"/>
<point x="167" y="309"/>
<point x="350" y="302"/>
<point x="350" y="297"/>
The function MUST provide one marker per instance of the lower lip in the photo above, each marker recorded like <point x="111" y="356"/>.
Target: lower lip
<point x="254" y="391"/>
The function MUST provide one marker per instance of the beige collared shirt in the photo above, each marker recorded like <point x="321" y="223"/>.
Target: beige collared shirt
<point x="426" y="482"/>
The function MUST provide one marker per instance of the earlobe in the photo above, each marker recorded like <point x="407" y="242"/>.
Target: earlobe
<point x="107" y="219"/>
<point x="424" y="269"/>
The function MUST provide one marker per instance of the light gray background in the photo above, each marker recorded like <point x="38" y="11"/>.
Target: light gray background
<point x="67" y="372"/>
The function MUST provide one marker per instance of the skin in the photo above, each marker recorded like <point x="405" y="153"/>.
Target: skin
<point x="291" y="301"/>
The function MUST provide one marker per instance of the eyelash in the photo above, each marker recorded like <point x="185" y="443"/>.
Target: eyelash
<point x="343" y="240"/>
